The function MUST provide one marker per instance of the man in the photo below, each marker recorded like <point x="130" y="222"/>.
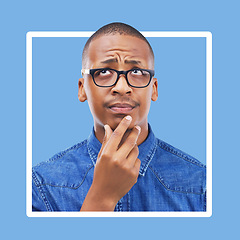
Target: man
<point x="122" y="166"/>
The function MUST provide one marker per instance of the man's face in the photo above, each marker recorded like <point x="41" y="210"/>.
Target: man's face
<point x="109" y="105"/>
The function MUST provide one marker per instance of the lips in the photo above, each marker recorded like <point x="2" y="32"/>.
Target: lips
<point x="123" y="108"/>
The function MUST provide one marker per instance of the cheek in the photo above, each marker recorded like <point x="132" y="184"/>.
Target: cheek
<point x="94" y="102"/>
<point x="145" y="103"/>
<point x="95" y="99"/>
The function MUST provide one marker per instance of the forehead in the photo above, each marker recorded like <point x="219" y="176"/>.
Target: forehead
<point x="119" y="47"/>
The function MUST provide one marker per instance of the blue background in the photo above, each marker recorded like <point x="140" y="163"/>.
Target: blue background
<point x="19" y="17"/>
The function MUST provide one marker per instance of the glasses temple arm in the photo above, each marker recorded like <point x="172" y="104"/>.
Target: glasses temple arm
<point x="85" y="71"/>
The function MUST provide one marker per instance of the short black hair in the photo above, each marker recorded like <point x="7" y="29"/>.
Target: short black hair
<point x="112" y="29"/>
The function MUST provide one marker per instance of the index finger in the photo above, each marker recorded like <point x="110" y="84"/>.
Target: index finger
<point x="118" y="133"/>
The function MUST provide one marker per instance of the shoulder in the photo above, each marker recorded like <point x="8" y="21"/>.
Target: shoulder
<point x="65" y="169"/>
<point x="177" y="170"/>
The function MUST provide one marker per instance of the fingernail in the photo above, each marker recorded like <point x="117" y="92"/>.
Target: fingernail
<point x="138" y="128"/>
<point x="129" y="118"/>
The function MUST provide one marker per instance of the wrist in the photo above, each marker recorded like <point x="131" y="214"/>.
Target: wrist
<point x="95" y="201"/>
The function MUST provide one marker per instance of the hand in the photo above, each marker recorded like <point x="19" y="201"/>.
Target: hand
<point x="116" y="169"/>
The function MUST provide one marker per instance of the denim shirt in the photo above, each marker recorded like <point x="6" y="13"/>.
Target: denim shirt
<point x="169" y="179"/>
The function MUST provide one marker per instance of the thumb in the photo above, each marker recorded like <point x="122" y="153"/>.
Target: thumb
<point x="107" y="135"/>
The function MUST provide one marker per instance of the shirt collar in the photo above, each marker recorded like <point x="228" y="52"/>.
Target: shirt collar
<point x="146" y="149"/>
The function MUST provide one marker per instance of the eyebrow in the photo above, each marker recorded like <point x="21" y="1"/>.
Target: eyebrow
<point x="112" y="60"/>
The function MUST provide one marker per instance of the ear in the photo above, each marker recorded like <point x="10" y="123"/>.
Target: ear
<point x="81" y="91"/>
<point x="155" y="90"/>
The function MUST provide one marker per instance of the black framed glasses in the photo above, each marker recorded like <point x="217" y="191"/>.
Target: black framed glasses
<point x="108" y="77"/>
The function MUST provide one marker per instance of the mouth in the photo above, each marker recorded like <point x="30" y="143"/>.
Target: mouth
<point x="122" y="108"/>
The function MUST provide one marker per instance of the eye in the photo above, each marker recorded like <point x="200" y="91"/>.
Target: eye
<point x="103" y="72"/>
<point x="136" y="72"/>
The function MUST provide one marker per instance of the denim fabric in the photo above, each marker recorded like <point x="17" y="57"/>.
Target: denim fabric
<point x="169" y="179"/>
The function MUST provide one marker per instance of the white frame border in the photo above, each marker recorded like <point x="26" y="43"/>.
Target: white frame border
<point x="208" y="213"/>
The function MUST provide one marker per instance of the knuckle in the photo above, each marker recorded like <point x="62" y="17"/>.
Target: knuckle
<point x="131" y="142"/>
<point x="137" y="150"/>
<point x="106" y="155"/>
<point x="134" y="173"/>
<point x="116" y="162"/>
<point x="123" y="125"/>
<point x="138" y="162"/>
<point x="136" y="179"/>
<point x="135" y="176"/>
<point x="116" y="133"/>
<point x="125" y="168"/>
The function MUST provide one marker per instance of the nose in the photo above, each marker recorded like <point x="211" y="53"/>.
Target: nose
<point x="121" y="87"/>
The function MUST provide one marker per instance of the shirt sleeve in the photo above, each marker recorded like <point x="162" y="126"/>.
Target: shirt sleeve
<point x="37" y="201"/>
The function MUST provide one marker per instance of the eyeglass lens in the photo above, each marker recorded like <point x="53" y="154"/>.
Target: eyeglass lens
<point x="136" y="77"/>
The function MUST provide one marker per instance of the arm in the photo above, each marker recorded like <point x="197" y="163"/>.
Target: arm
<point x="116" y="169"/>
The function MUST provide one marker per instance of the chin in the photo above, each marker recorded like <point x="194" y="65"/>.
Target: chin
<point x="113" y="123"/>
